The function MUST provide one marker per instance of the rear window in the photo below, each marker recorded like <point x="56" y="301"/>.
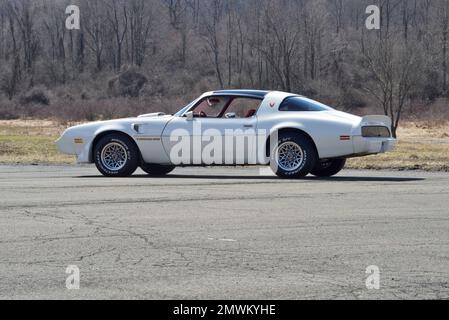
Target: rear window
<point x="301" y="104"/>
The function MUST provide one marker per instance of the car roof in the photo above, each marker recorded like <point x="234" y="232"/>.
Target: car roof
<point x="245" y="93"/>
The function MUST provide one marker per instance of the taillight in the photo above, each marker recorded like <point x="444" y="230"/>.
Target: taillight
<point x="376" y="132"/>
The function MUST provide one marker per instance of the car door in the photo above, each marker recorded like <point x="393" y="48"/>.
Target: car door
<point x="218" y="138"/>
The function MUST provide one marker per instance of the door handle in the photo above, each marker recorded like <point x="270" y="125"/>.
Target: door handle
<point x="248" y="126"/>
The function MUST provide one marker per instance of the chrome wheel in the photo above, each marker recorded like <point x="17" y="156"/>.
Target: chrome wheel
<point x="289" y="156"/>
<point x="114" y="156"/>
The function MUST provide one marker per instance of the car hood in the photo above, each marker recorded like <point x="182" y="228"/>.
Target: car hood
<point x="148" y="119"/>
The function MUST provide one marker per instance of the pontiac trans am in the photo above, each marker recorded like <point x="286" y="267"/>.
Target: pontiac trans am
<point x="294" y="135"/>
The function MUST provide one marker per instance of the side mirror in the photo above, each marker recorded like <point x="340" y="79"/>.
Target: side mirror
<point x="230" y="115"/>
<point x="189" y="116"/>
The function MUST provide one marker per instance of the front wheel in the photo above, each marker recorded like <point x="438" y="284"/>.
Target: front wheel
<point x="157" y="170"/>
<point x="116" y="155"/>
<point x="328" y="168"/>
<point x="294" y="156"/>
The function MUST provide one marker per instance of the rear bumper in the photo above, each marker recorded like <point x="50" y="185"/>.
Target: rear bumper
<point x="373" y="145"/>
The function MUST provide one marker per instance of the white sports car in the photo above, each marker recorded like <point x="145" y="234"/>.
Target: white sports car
<point x="291" y="133"/>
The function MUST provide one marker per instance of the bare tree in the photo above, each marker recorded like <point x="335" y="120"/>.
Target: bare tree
<point x="393" y="70"/>
<point x="95" y="26"/>
<point x="443" y="21"/>
<point x="56" y="32"/>
<point x="280" y="44"/>
<point x="24" y="13"/>
<point x="212" y="26"/>
<point x="177" y="10"/>
<point x="337" y="13"/>
<point x="10" y="78"/>
<point x="117" y="16"/>
<point x="140" y="23"/>
<point x="319" y="48"/>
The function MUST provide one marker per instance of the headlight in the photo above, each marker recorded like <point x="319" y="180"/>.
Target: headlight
<point x="376" y="132"/>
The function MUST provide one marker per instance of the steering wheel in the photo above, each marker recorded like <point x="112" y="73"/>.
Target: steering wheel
<point x="203" y="114"/>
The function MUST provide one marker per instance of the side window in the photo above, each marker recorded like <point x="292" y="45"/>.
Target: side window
<point x="210" y="107"/>
<point x="242" y="108"/>
<point x="300" y="104"/>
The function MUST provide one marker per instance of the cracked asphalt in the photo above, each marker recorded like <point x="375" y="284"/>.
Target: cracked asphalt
<point x="222" y="233"/>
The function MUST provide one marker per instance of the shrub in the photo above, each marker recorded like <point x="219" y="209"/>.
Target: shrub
<point x="8" y="110"/>
<point x="127" y="84"/>
<point x="35" y="96"/>
<point x="351" y="100"/>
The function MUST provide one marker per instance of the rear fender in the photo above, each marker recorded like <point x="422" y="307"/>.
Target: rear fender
<point x="371" y="121"/>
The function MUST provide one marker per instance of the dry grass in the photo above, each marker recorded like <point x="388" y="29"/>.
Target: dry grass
<point x="422" y="145"/>
<point x="30" y="142"/>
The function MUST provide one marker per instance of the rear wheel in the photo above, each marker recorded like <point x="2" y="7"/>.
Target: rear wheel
<point x="116" y="155"/>
<point x="328" y="168"/>
<point x="294" y="156"/>
<point x="157" y="170"/>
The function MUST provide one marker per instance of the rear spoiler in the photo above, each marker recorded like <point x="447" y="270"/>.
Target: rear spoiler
<point x="376" y="120"/>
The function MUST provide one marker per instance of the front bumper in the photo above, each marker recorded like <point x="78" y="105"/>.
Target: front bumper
<point x="75" y="145"/>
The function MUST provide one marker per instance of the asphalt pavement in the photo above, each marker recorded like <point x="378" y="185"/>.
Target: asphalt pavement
<point x="222" y="233"/>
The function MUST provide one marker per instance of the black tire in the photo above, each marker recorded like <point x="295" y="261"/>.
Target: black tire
<point x="157" y="170"/>
<point x="328" y="168"/>
<point x="124" y="144"/>
<point x="309" y="156"/>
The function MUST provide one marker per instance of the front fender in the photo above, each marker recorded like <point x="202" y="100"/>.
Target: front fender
<point x="79" y="140"/>
<point x="86" y="156"/>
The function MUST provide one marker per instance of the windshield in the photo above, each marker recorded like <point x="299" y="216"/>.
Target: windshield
<point x="181" y="112"/>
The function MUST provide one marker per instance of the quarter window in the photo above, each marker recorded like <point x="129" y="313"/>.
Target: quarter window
<point x="301" y="104"/>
